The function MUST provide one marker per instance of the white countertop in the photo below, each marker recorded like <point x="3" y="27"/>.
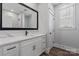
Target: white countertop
<point x="8" y="40"/>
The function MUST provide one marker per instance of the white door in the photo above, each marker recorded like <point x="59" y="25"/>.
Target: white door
<point x="51" y="30"/>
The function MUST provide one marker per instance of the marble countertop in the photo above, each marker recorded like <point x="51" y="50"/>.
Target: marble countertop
<point x="8" y="40"/>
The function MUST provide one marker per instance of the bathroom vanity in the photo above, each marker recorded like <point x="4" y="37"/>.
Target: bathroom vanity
<point x="18" y="16"/>
<point x="33" y="45"/>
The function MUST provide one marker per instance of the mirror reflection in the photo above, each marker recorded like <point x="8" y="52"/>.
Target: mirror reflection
<point x="15" y="15"/>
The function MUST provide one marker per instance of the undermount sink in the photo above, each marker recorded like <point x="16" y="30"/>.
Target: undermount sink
<point x="10" y="35"/>
<point x="6" y="36"/>
<point x="30" y="34"/>
<point x="3" y="36"/>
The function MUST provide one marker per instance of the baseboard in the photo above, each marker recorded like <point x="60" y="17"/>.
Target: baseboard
<point x="75" y="50"/>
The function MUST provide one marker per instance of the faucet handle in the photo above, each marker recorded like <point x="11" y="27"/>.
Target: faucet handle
<point x="26" y="32"/>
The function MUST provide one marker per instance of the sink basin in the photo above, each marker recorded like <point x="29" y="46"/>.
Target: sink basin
<point x="6" y="36"/>
<point x="3" y="36"/>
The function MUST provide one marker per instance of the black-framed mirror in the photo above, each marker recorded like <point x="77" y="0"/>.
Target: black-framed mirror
<point x="18" y="16"/>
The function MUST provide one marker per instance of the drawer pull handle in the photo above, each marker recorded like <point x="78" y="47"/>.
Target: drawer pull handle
<point x="11" y="48"/>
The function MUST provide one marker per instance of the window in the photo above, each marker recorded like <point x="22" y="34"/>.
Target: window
<point x="67" y="16"/>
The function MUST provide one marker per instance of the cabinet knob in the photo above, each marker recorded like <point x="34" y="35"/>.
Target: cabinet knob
<point x="34" y="47"/>
<point x="50" y="33"/>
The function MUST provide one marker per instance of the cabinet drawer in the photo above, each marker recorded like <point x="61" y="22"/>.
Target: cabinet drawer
<point x="29" y="41"/>
<point x="24" y="43"/>
<point x="12" y="50"/>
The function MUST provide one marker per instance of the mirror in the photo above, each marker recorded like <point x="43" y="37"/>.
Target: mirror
<point x="19" y="16"/>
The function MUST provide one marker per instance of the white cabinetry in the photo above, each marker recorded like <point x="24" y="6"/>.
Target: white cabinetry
<point x="11" y="50"/>
<point x="37" y="45"/>
<point x="31" y="47"/>
<point x="0" y="51"/>
<point x="26" y="48"/>
<point x="43" y="43"/>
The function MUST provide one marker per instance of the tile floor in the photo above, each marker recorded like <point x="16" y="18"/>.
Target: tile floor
<point x="60" y="52"/>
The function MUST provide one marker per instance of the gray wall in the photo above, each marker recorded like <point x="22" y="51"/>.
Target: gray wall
<point x="68" y="37"/>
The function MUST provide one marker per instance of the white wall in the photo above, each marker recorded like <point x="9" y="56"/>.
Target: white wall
<point x="43" y="17"/>
<point x="50" y="37"/>
<point x="67" y="37"/>
<point x="32" y="5"/>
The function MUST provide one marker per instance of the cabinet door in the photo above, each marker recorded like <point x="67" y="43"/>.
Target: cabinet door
<point x="31" y="47"/>
<point x="43" y="43"/>
<point x="26" y="48"/>
<point x="37" y="46"/>
<point x="11" y="50"/>
<point x="0" y="51"/>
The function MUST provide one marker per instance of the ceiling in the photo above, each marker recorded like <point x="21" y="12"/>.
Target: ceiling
<point x="55" y="4"/>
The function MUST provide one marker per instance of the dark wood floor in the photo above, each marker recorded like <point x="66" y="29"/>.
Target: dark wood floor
<point x="60" y="52"/>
